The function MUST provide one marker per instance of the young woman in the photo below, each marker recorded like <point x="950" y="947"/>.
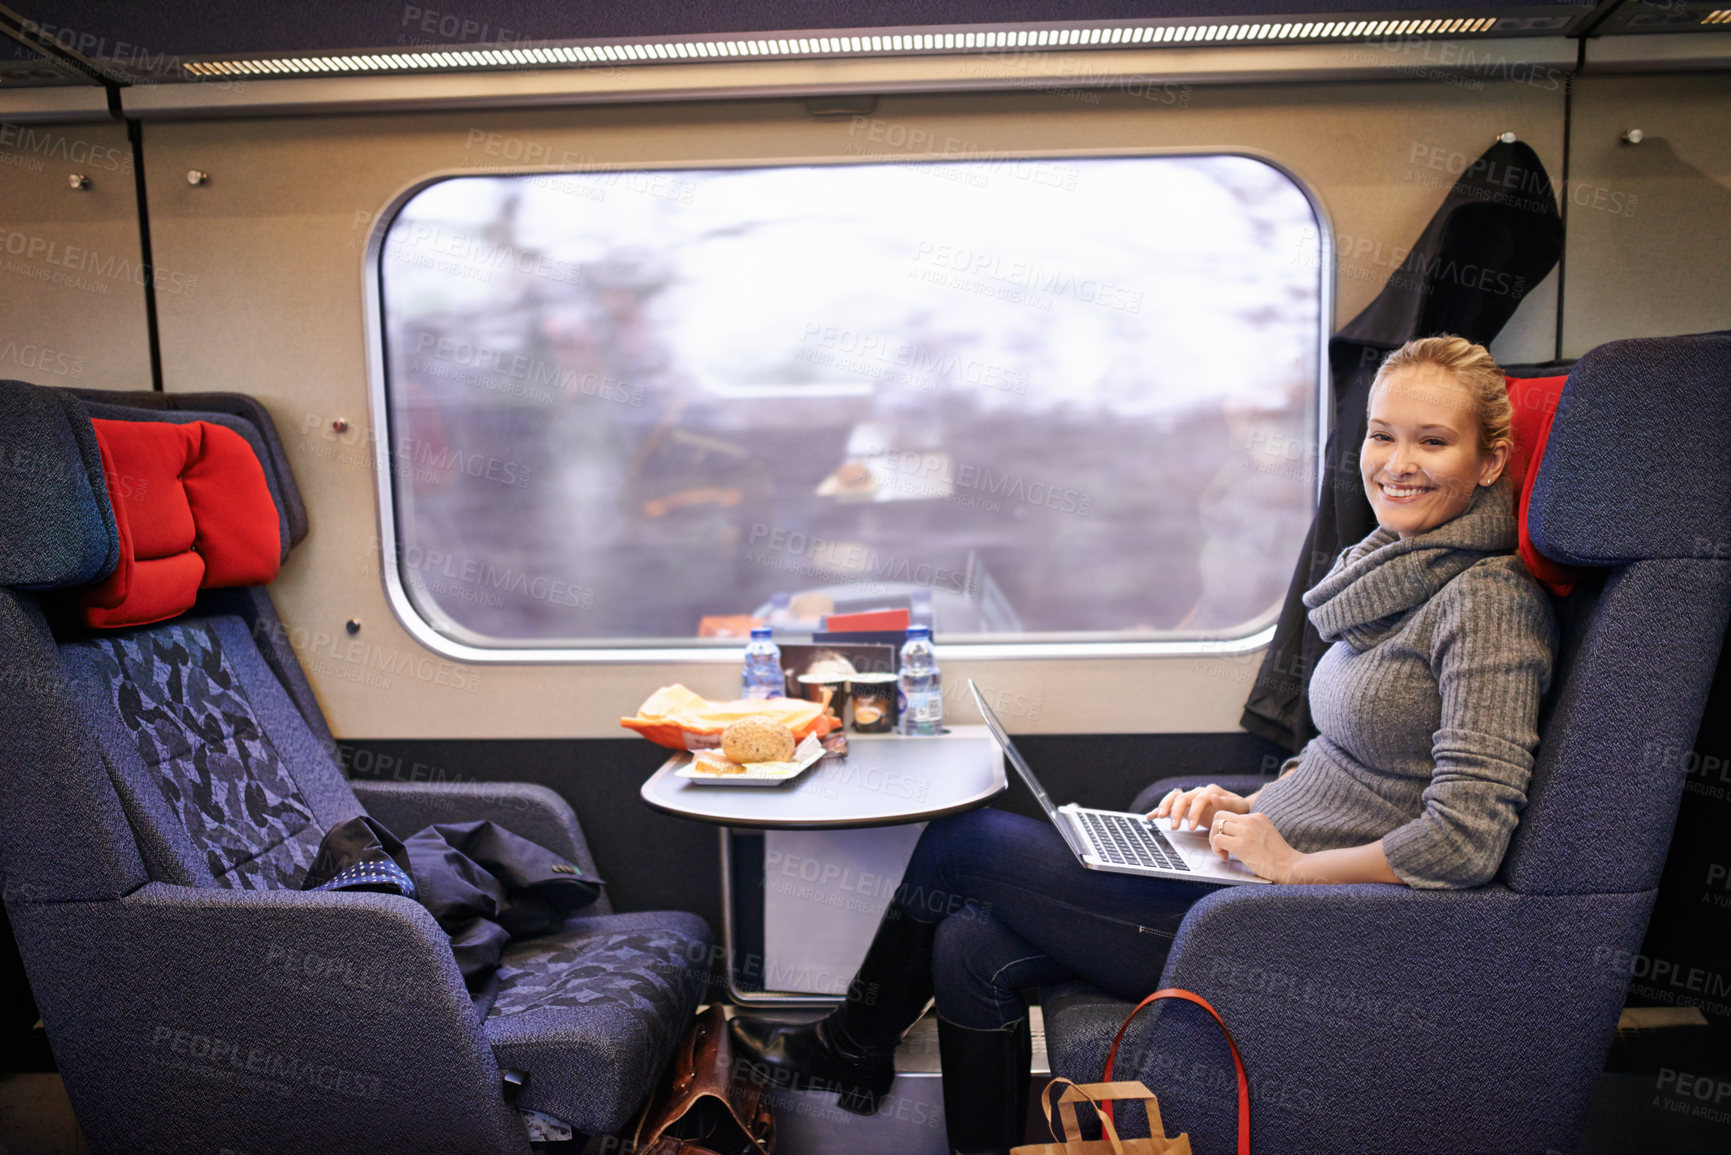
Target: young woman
<point x="1426" y="704"/>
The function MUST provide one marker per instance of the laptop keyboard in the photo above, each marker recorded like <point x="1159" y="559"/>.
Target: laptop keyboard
<point x="1130" y="841"/>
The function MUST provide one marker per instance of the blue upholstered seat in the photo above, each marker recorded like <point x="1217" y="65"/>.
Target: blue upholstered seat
<point x="604" y="989"/>
<point x="1376" y="1018"/>
<point x="166" y="789"/>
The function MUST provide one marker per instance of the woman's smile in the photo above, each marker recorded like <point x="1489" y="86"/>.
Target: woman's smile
<point x="1421" y="459"/>
<point x="1404" y="494"/>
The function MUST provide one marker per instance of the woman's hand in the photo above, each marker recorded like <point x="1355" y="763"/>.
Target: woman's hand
<point x="1257" y="844"/>
<point x="1199" y="806"/>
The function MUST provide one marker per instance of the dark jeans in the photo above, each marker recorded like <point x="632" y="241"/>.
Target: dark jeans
<point x="1017" y="910"/>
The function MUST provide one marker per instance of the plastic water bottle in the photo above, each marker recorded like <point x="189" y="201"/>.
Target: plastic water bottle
<point x="919" y="686"/>
<point x="763" y="676"/>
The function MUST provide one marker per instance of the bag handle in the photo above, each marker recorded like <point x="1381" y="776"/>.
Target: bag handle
<point x="1066" y="1119"/>
<point x="1096" y="1093"/>
<point x="1237" y="1059"/>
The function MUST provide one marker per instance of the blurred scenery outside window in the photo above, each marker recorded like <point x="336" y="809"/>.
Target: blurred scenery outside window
<point x="1046" y="398"/>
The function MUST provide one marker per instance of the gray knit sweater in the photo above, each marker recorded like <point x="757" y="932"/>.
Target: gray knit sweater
<point x="1427" y="703"/>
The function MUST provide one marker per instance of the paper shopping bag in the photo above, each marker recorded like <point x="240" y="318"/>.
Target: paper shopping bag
<point x="1106" y="1092"/>
<point x="1062" y="1117"/>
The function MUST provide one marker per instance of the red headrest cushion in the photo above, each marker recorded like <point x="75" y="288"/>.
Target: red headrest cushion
<point x="1534" y="400"/>
<point x="193" y="510"/>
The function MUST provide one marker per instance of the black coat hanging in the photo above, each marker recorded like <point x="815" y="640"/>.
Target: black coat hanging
<point x="1496" y="236"/>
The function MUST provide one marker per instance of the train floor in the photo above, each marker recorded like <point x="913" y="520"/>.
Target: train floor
<point x="1634" y="1112"/>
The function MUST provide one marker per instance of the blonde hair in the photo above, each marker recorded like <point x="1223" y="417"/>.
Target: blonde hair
<point x="1472" y="366"/>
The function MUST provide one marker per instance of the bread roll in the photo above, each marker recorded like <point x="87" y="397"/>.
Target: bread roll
<point x="757" y="740"/>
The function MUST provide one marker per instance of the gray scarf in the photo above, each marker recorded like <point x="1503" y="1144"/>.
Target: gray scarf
<point x="1374" y="583"/>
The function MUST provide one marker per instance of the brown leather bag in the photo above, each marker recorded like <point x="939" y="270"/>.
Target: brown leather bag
<point x="707" y="1105"/>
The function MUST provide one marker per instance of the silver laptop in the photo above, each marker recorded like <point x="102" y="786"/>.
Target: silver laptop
<point x="1119" y="841"/>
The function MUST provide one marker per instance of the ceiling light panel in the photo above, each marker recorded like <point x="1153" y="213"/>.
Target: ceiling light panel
<point x="864" y="42"/>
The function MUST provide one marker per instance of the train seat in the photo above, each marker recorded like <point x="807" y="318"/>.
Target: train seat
<point x="1374" y="1017"/>
<point x="167" y="786"/>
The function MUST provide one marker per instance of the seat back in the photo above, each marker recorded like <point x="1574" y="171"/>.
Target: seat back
<point x="221" y="779"/>
<point x="195" y="740"/>
<point x="1631" y="483"/>
<point x="65" y="835"/>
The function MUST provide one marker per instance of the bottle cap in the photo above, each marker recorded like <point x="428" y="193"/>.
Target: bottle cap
<point x="919" y="631"/>
<point x="760" y="633"/>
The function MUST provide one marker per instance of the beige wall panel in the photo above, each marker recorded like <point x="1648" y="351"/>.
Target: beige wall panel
<point x="71" y="285"/>
<point x="277" y="240"/>
<point x="1649" y="223"/>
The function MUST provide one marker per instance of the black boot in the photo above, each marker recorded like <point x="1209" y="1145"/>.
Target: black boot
<point x="852" y="1051"/>
<point x="985" y="1086"/>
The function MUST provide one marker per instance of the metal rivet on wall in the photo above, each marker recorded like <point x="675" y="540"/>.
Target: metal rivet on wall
<point x="78" y="180"/>
<point x="196" y="177"/>
<point x="1634" y="136"/>
<point x="1508" y="138"/>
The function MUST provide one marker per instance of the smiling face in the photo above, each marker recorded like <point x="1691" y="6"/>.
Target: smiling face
<point x="1421" y="461"/>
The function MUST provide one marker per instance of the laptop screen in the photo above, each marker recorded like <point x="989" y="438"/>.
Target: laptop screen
<point x="1010" y="751"/>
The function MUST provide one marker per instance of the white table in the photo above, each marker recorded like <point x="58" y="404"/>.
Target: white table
<point x="885" y="780"/>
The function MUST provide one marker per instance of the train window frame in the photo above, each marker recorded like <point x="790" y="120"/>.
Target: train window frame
<point x="726" y="650"/>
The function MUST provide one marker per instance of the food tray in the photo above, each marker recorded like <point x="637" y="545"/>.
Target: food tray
<point x="752" y="773"/>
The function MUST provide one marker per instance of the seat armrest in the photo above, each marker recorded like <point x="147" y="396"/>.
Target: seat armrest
<point x="525" y="809"/>
<point x="1345" y="999"/>
<point x="275" y="1020"/>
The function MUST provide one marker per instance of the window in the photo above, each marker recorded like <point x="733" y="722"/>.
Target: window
<point x="1049" y="399"/>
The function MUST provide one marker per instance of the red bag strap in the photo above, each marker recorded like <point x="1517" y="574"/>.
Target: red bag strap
<point x="1237" y="1059"/>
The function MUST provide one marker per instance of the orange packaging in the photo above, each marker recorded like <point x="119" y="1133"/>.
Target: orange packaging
<point x="676" y="717"/>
